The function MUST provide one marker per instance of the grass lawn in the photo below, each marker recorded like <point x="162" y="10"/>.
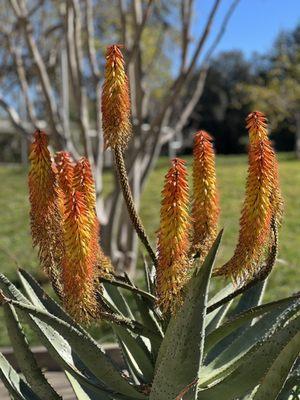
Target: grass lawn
<point x="15" y="241"/>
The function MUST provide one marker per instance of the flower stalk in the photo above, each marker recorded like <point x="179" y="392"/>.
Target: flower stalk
<point x="84" y="182"/>
<point x="117" y="130"/>
<point x="173" y="238"/>
<point x="78" y="266"/>
<point x="44" y="209"/>
<point x="205" y="210"/>
<point x="115" y="101"/>
<point x="262" y="205"/>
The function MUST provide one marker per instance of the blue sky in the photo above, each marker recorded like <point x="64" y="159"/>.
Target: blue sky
<point x="255" y="23"/>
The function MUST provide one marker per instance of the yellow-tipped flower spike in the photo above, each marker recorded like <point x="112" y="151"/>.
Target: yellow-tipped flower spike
<point x="79" y="260"/>
<point x="115" y="101"/>
<point x="256" y="123"/>
<point x="84" y="183"/>
<point x="65" y="170"/>
<point x="263" y="203"/>
<point x="44" y="213"/>
<point x="173" y="238"/>
<point x="205" y="211"/>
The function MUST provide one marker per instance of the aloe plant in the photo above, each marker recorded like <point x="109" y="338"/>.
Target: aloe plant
<point x="198" y="354"/>
<point x="179" y="341"/>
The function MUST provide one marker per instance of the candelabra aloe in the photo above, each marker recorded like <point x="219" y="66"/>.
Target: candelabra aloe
<point x="179" y="342"/>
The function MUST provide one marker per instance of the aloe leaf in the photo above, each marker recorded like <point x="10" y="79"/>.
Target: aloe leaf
<point x="292" y="382"/>
<point x="149" y="277"/>
<point x="148" y="316"/>
<point x="124" y="284"/>
<point x="234" y="323"/>
<point x="221" y="294"/>
<point x="290" y="389"/>
<point x="146" y="307"/>
<point x="84" y="393"/>
<point x="16" y="386"/>
<point x="11" y="291"/>
<point x="216" y="318"/>
<point x="57" y="345"/>
<point x="251" y="298"/>
<point x="150" y="320"/>
<point x="245" y="378"/>
<point x="233" y="356"/>
<point x="137" y="353"/>
<point x="25" y="358"/>
<point x="59" y="349"/>
<point x="117" y="302"/>
<point x="41" y="299"/>
<point x="180" y="356"/>
<point x="116" y="299"/>
<point x="273" y="381"/>
<point x="89" y="351"/>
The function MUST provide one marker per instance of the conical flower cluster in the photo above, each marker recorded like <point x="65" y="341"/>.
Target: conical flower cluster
<point x="44" y="213"/>
<point x="205" y="211"/>
<point x="79" y="261"/>
<point x="115" y="101"/>
<point x="262" y="205"/>
<point x="173" y="238"/>
<point x="65" y="169"/>
<point x="84" y="182"/>
<point x="65" y="225"/>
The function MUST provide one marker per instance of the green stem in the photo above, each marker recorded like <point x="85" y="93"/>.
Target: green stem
<point x="132" y="211"/>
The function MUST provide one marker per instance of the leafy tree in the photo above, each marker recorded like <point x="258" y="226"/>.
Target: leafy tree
<point x="222" y="105"/>
<point x="276" y="90"/>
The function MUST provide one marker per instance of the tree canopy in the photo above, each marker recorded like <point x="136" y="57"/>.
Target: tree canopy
<point x="236" y="85"/>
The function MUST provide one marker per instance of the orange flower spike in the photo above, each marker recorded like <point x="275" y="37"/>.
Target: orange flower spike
<point x="45" y="217"/>
<point x="173" y="238"/>
<point x="115" y="100"/>
<point x="205" y="210"/>
<point x="262" y="204"/>
<point x="256" y="122"/>
<point x="84" y="182"/>
<point x="65" y="170"/>
<point x="79" y="261"/>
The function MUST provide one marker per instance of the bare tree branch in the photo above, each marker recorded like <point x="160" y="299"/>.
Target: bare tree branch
<point x="15" y="6"/>
<point x="13" y="116"/>
<point x="35" y="8"/>
<point x="123" y="19"/>
<point x="91" y="51"/>
<point x="23" y="82"/>
<point x="186" y="15"/>
<point x="139" y="31"/>
<point x="83" y="107"/>
<point x="182" y="78"/>
<point x="69" y="23"/>
<point x="222" y="30"/>
<point x="203" y="37"/>
<point x="22" y="15"/>
<point x="188" y="109"/>
<point x="91" y="40"/>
